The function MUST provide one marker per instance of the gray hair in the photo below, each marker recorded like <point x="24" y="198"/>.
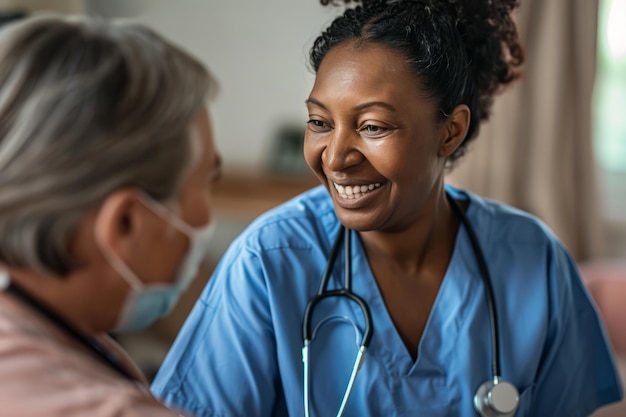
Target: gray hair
<point x="87" y="107"/>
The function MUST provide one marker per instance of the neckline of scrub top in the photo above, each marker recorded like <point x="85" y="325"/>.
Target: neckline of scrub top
<point x="441" y="331"/>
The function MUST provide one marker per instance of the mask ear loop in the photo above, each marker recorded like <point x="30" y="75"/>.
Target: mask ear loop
<point x="120" y="266"/>
<point x="173" y="218"/>
<point x="166" y="214"/>
<point x="122" y="269"/>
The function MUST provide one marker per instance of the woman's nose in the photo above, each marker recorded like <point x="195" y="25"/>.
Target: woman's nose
<point x="342" y="150"/>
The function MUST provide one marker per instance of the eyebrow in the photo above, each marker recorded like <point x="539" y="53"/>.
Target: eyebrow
<point x="315" y="102"/>
<point x="359" y="107"/>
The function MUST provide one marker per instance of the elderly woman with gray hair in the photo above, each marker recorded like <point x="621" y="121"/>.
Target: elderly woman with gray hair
<point x="106" y="165"/>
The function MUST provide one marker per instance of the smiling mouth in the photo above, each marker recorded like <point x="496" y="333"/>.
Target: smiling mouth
<point x="355" y="191"/>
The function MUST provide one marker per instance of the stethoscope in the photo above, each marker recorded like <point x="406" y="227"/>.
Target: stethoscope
<point x="494" y="398"/>
<point x="90" y="343"/>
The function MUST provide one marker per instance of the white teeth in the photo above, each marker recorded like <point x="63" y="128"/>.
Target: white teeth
<point x="356" y="191"/>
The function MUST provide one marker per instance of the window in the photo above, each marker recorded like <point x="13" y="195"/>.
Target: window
<point x="610" y="107"/>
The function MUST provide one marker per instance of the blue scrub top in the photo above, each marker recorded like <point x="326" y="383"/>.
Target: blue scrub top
<point x="240" y="351"/>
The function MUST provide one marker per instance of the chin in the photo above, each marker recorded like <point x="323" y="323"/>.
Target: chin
<point x="356" y="222"/>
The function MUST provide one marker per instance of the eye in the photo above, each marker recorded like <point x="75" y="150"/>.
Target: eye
<point x="318" y="126"/>
<point x="373" y="131"/>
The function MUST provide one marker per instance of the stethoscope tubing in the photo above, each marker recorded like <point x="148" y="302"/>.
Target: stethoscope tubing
<point x="346" y="291"/>
<point x="323" y="294"/>
<point x="486" y="278"/>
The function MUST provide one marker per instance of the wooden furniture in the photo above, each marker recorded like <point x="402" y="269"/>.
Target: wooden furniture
<point x="248" y="194"/>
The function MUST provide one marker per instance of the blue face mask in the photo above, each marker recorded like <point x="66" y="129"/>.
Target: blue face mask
<point x="146" y="303"/>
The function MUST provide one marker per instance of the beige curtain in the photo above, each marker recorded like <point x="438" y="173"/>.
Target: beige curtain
<point x="535" y="153"/>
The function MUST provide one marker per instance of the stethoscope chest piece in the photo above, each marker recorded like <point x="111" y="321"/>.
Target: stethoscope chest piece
<point x="496" y="398"/>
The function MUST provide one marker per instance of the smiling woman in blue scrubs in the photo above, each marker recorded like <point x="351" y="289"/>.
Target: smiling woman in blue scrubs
<point x="401" y="88"/>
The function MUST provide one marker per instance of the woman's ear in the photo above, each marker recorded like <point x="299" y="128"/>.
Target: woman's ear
<point x="119" y="223"/>
<point x="455" y="129"/>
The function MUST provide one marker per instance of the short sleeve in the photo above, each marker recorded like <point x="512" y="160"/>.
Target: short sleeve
<point x="577" y="373"/>
<point x="227" y="338"/>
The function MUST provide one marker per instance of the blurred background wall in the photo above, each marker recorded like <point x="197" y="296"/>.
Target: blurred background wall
<point x="258" y="52"/>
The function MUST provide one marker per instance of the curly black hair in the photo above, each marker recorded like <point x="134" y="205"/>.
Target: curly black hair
<point x="462" y="51"/>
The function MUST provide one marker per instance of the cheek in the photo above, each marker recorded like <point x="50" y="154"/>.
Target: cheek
<point x="201" y="210"/>
<point x="389" y="157"/>
<point x="171" y="257"/>
<point x="157" y="259"/>
<point x="195" y="206"/>
<point x="312" y="152"/>
<point x="403" y="161"/>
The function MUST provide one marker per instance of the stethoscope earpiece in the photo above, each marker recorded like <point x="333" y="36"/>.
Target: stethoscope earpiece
<point x="496" y="398"/>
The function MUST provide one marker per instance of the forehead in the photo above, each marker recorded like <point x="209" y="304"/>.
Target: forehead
<point x="204" y="130"/>
<point x="204" y="151"/>
<point x="367" y="70"/>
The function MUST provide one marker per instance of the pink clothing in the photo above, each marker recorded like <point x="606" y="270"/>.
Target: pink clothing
<point x="46" y="373"/>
